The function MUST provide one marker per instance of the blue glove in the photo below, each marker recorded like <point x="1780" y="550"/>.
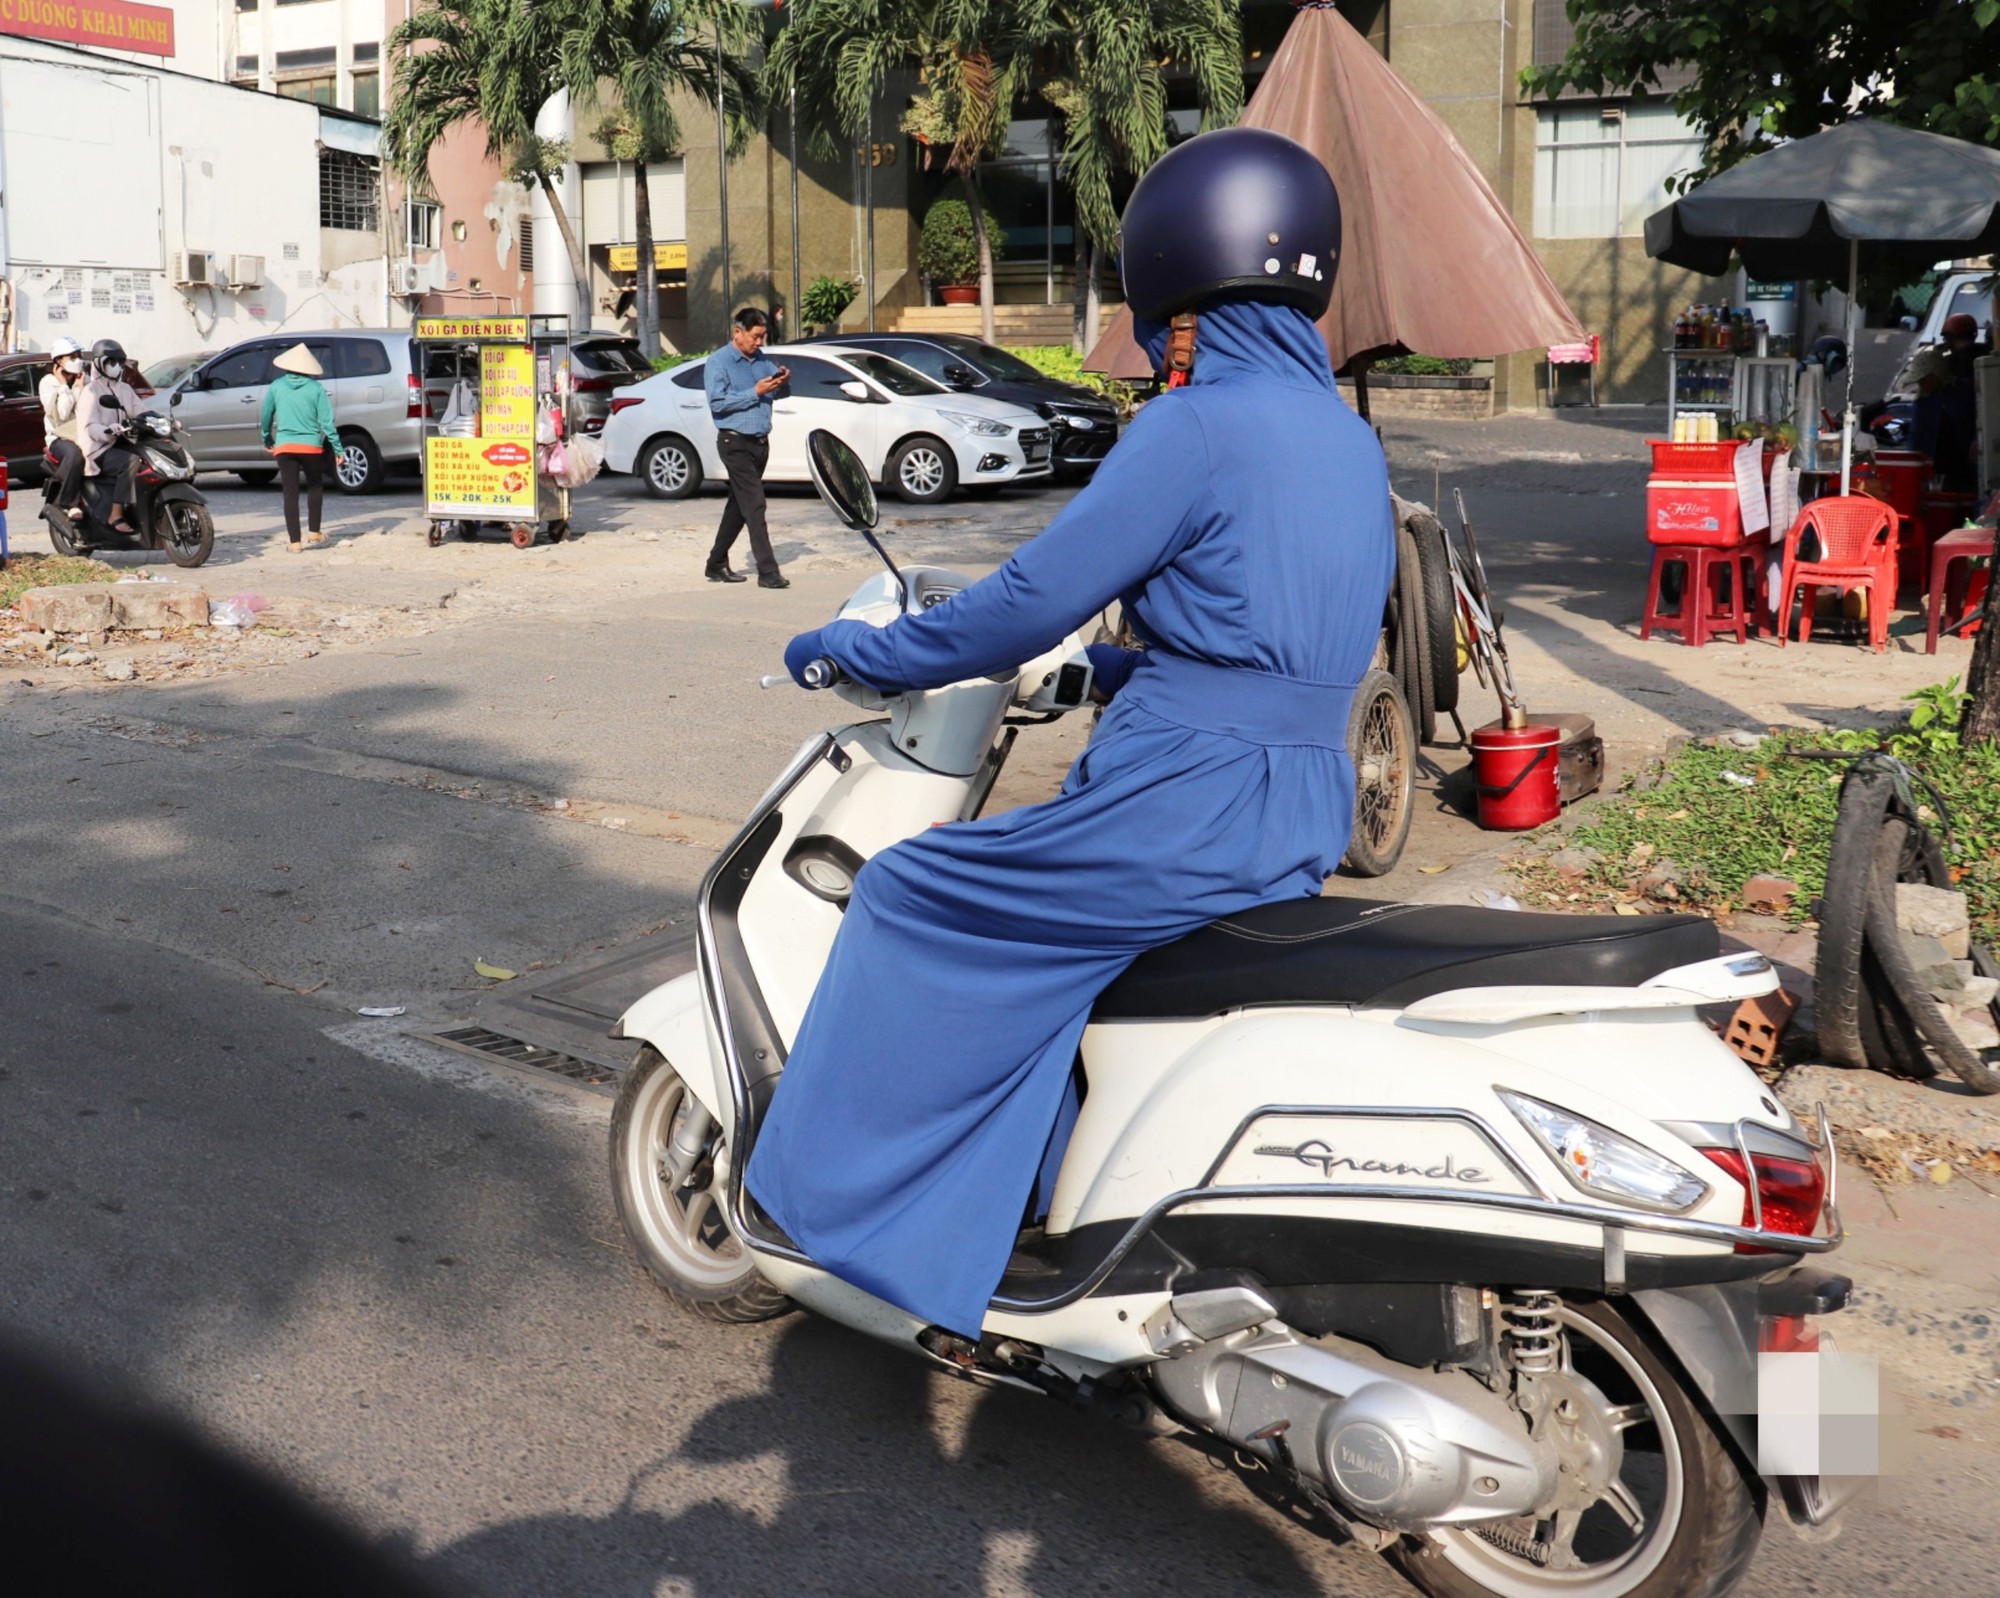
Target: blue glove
<point x="1109" y="667"/>
<point x="801" y="652"/>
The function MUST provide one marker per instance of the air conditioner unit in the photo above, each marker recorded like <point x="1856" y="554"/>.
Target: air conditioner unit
<point x="412" y="278"/>
<point x="194" y="269"/>
<point x="246" y="271"/>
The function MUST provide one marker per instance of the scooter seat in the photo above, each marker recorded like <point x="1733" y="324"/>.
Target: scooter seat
<point x="1372" y="952"/>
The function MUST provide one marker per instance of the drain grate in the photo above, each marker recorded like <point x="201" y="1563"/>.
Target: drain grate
<point x="483" y="1044"/>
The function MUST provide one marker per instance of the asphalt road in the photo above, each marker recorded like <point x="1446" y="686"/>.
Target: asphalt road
<point x="393" y="1275"/>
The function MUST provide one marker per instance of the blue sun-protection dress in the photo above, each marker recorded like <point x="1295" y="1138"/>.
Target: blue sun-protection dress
<point x="1244" y="521"/>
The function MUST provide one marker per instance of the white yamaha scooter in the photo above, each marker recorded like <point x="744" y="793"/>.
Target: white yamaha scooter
<point x="1460" y="1223"/>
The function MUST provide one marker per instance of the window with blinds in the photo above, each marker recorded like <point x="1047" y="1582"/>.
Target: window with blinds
<point x="1601" y="170"/>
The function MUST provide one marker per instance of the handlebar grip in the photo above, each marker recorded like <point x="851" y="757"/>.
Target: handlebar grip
<point x="821" y="673"/>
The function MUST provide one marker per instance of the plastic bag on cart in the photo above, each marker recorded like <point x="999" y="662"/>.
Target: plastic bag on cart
<point x="574" y="462"/>
<point x="461" y="413"/>
<point x="545" y="425"/>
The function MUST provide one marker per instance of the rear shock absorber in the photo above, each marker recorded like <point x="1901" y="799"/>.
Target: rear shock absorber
<point x="1534" y="1330"/>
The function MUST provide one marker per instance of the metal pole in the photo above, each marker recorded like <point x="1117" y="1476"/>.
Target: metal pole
<point x="722" y="176"/>
<point x="792" y="315"/>
<point x="1853" y="336"/>
<point x="868" y="205"/>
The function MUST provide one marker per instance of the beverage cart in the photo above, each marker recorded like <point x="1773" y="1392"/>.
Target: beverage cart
<point x="496" y="396"/>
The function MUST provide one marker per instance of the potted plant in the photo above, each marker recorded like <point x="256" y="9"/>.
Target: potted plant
<point x="948" y="251"/>
<point x="823" y="301"/>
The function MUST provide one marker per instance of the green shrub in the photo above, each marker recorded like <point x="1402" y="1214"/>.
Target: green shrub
<point x="824" y="300"/>
<point x="1423" y="366"/>
<point x="1065" y="365"/>
<point x="948" y="251"/>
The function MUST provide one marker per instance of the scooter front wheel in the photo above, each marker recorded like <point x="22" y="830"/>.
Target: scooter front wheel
<point x="668" y="1176"/>
<point x="185" y="530"/>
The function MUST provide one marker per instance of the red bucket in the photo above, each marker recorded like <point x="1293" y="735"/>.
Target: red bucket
<point x="1518" y="771"/>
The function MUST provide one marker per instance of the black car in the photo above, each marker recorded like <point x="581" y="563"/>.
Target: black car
<point x="1084" y="423"/>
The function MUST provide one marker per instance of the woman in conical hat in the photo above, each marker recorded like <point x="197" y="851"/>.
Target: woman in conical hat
<point x="298" y="429"/>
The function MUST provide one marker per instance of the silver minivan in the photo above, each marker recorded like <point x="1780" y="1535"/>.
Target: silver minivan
<point x="378" y="404"/>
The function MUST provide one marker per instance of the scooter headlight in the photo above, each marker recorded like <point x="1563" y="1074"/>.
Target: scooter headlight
<point x="1604" y="1163"/>
<point x="167" y="466"/>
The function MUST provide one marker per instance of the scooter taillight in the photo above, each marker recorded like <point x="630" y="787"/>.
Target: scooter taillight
<point x="1789" y="1194"/>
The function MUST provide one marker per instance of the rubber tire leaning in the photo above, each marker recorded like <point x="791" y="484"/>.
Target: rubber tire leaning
<point x="1721" y="1521"/>
<point x="747" y="1298"/>
<point x="1409" y="652"/>
<point x="1440" y="612"/>
<point x="1366" y="857"/>
<point x="1885" y="938"/>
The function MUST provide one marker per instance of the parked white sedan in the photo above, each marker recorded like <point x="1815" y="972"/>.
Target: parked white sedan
<point x="915" y="436"/>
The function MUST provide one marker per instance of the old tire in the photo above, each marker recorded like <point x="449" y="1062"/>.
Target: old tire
<point x="1382" y="745"/>
<point x="1440" y="612"/>
<point x="358" y="468"/>
<point x="682" y="1237"/>
<point x="1409" y="652"/>
<point x="670" y="467"/>
<point x="922" y="470"/>
<point x="1699" y="1539"/>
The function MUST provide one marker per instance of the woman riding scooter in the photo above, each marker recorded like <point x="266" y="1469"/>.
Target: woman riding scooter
<point x="1244" y="522"/>
<point x="102" y="425"/>
<point x="62" y="392"/>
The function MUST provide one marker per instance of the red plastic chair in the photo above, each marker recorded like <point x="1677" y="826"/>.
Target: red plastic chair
<point x="1857" y="540"/>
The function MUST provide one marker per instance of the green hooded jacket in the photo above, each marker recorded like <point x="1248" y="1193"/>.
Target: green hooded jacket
<point x="298" y="410"/>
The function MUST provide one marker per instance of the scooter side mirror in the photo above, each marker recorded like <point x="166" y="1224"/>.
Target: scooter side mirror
<point x="107" y="402"/>
<point x="841" y="479"/>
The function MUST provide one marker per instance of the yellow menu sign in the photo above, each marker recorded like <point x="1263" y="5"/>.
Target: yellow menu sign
<point x="507" y="392"/>
<point x="666" y="257"/>
<point x="503" y="327"/>
<point x="480" y="477"/>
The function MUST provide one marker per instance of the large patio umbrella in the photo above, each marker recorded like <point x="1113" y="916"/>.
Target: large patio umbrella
<point x="1431" y="260"/>
<point x="1806" y="209"/>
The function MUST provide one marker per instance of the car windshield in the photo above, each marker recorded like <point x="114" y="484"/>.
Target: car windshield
<point x="996" y="362"/>
<point x="170" y="369"/>
<point x="619" y="356"/>
<point x="893" y="375"/>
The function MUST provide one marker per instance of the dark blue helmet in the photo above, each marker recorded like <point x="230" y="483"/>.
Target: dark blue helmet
<point x="1240" y="209"/>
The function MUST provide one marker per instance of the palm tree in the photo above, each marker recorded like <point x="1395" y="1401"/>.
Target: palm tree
<point x="1113" y="106"/>
<point x="973" y="65"/>
<point x="636" y="56"/>
<point x="490" y="64"/>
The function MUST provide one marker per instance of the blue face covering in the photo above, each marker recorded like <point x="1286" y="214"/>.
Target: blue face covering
<point x="1242" y="337"/>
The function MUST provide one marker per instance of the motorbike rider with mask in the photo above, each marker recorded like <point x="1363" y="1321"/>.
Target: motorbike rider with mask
<point x="61" y="392"/>
<point x="1244" y="522"/>
<point x="101" y="424"/>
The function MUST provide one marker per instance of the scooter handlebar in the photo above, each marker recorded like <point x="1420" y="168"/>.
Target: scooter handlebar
<point x="821" y="673"/>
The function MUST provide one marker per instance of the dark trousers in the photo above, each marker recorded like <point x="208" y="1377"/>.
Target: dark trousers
<point x="119" y="468"/>
<point x="743" y="459"/>
<point x="289" y="468"/>
<point x="66" y="476"/>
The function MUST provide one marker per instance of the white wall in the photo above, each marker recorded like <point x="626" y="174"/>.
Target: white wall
<point x="227" y="171"/>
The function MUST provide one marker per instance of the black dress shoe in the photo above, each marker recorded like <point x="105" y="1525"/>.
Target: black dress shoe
<point x="722" y="574"/>
<point x="773" y="580"/>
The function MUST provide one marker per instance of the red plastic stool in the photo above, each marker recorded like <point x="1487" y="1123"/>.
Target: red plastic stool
<point x="1964" y="544"/>
<point x="1703" y="610"/>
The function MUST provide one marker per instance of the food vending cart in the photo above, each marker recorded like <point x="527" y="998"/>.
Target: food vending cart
<point x="496" y="396"/>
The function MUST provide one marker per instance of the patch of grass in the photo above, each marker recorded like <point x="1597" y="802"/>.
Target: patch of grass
<point x="1720" y="815"/>
<point x="46" y="571"/>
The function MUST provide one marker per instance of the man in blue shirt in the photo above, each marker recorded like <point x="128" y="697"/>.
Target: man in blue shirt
<point x="742" y="381"/>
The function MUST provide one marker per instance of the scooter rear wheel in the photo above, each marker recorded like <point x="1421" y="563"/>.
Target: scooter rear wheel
<point x="61" y="540"/>
<point x="678" y="1222"/>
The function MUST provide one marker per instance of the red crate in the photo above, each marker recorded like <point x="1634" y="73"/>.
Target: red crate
<point x="1694" y="460"/>
<point x="1693" y="513"/>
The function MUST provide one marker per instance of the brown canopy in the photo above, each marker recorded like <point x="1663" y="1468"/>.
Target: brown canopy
<point x="1431" y="261"/>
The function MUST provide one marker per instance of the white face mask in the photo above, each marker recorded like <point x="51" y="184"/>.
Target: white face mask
<point x="112" y="370"/>
<point x="72" y="365"/>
